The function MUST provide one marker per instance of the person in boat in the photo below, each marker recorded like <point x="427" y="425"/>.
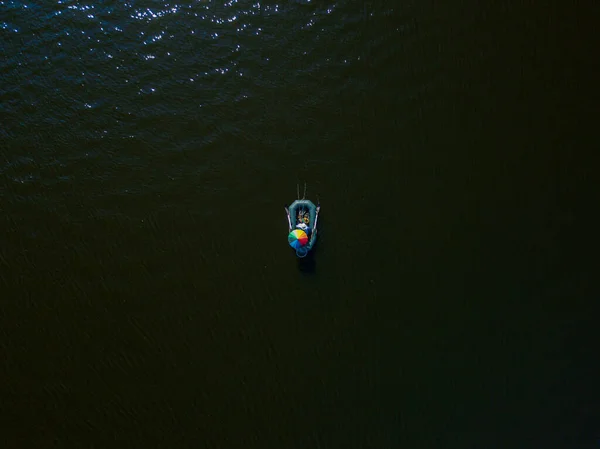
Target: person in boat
<point x="303" y="222"/>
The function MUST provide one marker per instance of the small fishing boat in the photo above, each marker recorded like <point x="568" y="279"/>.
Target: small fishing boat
<point x="302" y="217"/>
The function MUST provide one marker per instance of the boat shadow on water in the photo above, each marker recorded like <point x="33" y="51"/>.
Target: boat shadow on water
<point x="308" y="263"/>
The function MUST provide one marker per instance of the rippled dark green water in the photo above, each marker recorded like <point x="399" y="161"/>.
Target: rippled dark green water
<point x="148" y="295"/>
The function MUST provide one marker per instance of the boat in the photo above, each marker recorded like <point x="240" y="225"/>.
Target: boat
<point x="302" y="214"/>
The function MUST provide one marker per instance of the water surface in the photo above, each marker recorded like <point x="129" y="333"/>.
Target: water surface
<point x="148" y="296"/>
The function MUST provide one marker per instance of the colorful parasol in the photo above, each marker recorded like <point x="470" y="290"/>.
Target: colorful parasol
<point x="297" y="238"/>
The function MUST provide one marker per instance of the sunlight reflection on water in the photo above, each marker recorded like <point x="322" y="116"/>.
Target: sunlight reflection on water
<point x="147" y="58"/>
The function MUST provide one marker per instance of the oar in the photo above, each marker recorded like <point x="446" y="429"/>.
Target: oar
<point x="317" y="216"/>
<point x="316" y="219"/>
<point x="287" y="212"/>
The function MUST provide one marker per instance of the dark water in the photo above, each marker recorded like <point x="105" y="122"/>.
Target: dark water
<point x="148" y="295"/>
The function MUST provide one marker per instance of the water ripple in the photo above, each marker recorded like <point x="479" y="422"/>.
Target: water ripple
<point x="138" y="71"/>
